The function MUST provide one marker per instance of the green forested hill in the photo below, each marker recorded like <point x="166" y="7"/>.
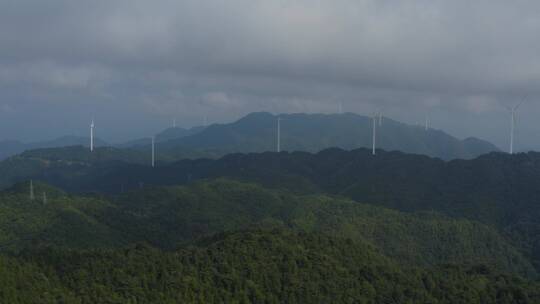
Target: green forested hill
<point x="60" y="220"/>
<point x="499" y="190"/>
<point x="257" y="266"/>
<point x="169" y="217"/>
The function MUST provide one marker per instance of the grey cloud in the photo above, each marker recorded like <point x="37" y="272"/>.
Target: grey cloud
<point x="463" y="57"/>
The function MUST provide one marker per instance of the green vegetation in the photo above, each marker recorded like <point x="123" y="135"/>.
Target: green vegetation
<point x="435" y="231"/>
<point x="169" y="217"/>
<point x="258" y="266"/>
<point x="60" y="220"/>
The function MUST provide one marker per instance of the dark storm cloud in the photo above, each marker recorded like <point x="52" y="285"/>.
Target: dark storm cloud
<point x="223" y="58"/>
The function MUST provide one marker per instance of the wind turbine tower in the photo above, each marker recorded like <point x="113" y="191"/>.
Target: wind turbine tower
<point x="153" y="151"/>
<point x="513" y="111"/>
<point x="278" y="134"/>
<point x="92" y="136"/>
<point x="426" y="124"/>
<point x="340" y="107"/>
<point x="32" y="196"/>
<point x="374" y="138"/>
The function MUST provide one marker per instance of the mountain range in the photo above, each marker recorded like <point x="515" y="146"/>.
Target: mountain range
<point x="304" y="225"/>
<point x="257" y="132"/>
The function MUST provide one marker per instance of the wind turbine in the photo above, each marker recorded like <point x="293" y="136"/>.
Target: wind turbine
<point x="278" y="134"/>
<point x="380" y="118"/>
<point x="513" y="122"/>
<point x="153" y="151"/>
<point x="32" y="196"/>
<point x="340" y="107"/>
<point x="374" y="137"/>
<point x="426" y="124"/>
<point x="92" y="135"/>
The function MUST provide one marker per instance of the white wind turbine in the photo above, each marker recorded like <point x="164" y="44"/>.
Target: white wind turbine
<point x="32" y="196"/>
<point x="513" y="123"/>
<point x="374" y="135"/>
<point x="153" y="151"/>
<point x="278" y="148"/>
<point x="92" y="135"/>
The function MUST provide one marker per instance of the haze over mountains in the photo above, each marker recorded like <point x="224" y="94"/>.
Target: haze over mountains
<point x="13" y="147"/>
<point x="314" y="132"/>
<point x="408" y="214"/>
<point x="261" y="207"/>
<point x="256" y="132"/>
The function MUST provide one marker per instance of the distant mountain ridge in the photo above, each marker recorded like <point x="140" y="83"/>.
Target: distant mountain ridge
<point x="165" y="135"/>
<point x="257" y="132"/>
<point x="12" y="147"/>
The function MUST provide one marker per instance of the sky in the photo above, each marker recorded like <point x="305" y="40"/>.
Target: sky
<point x="136" y="65"/>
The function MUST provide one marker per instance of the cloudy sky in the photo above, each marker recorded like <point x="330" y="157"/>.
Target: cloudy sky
<point x="135" y="65"/>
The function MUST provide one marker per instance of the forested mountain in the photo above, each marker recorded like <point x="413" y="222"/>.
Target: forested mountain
<point x="464" y="212"/>
<point x="255" y="266"/>
<point x="257" y="132"/>
<point x="12" y="147"/>
<point x="496" y="189"/>
<point x="167" y="217"/>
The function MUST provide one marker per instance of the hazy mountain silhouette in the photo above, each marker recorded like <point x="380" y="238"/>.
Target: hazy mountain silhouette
<point x="257" y="132"/>
<point x="165" y="135"/>
<point x="12" y="147"/>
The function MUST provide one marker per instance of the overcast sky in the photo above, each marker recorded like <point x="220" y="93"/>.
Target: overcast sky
<point x="135" y="65"/>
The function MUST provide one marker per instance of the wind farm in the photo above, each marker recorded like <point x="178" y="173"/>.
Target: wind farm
<point x="269" y="152"/>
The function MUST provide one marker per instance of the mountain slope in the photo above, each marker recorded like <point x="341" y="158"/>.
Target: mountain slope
<point x="496" y="189"/>
<point x="256" y="132"/>
<point x="9" y="148"/>
<point x="173" y="216"/>
<point x="165" y="135"/>
<point x="257" y="266"/>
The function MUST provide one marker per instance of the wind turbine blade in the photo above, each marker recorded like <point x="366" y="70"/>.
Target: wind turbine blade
<point x="521" y="102"/>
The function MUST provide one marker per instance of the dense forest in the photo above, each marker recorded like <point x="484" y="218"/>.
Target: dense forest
<point x="496" y="189"/>
<point x="169" y="217"/>
<point x="468" y="225"/>
<point x="252" y="266"/>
